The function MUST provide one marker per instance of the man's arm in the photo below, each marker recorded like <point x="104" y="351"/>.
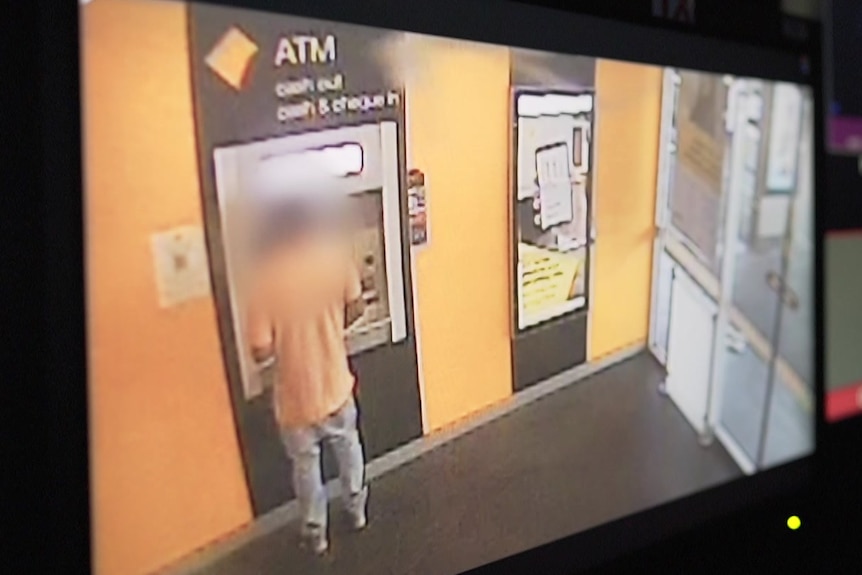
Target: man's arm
<point x="262" y="354"/>
<point x="354" y="304"/>
<point x="260" y="333"/>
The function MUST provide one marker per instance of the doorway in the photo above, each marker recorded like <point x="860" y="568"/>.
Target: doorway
<point x="767" y="398"/>
<point x="735" y="227"/>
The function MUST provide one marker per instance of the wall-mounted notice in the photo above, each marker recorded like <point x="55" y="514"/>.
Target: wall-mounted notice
<point x="549" y="283"/>
<point x="785" y="128"/>
<point x="701" y="153"/>
<point x="418" y="208"/>
<point x="556" y="205"/>
<point x="182" y="270"/>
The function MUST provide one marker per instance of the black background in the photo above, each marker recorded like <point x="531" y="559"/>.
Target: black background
<point x="46" y="320"/>
<point x="845" y="83"/>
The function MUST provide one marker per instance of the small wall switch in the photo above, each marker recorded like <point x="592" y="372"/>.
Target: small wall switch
<point x="181" y="265"/>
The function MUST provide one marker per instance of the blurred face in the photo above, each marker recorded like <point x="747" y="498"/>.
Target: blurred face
<point x="288" y="221"/>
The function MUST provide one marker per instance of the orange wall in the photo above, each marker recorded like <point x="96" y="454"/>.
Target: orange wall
<point x="457" y="113"/>
<point x="166" y="470"/>
<point x="628" y="113"/>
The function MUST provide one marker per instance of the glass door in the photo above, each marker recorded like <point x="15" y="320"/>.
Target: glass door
<point x="687" y="256"/>
<point x="699" y="168"/>
<point x="734" y="217"/>
<point x="758" y="386"/>
<point x="788" y="428"/>
<point x="749" y="308"/>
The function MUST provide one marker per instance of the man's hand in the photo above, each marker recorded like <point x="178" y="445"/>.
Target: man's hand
<point x="354" y="303"/>
<point x="262" y="355"/>
<point x="353" y="311"/>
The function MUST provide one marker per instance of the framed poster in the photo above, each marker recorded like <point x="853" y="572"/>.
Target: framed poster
<point x="551" y="204"/>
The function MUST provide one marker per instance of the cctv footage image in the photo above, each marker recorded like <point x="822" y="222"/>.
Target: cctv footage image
<point x="368" y="301"/>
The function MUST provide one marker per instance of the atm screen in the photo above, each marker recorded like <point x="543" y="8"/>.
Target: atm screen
<point x="371" y="262"/>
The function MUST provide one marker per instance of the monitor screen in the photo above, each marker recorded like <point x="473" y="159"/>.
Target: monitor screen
<point x="364" y="300"/>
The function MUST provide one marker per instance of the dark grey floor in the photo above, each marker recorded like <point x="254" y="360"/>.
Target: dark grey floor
<point x="600" y="449"/>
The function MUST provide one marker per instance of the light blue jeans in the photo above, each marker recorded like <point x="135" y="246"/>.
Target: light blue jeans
<point x="304" y="446"/>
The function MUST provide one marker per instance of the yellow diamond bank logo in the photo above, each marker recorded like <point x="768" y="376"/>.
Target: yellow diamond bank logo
<point x="231" y="57"/>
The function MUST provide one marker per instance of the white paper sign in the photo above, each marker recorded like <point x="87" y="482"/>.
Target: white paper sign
<point x="182" y="270"/>
<point x="555" y="186"/>
<point x="785" y="129"/>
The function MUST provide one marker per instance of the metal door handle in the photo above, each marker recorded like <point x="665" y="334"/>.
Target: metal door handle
<point x="779" y="286"/>
<point x="735" y="340"/>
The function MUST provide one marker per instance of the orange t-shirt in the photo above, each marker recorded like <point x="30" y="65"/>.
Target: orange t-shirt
<point x="297" y="305"/>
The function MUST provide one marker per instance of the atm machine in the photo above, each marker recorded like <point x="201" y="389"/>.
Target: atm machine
<point x="362" y="164"/>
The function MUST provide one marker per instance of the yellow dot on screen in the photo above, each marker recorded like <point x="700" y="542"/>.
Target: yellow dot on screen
<point x="794" y="522"/>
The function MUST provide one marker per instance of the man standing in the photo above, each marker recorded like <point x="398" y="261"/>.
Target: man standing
<point x="305" y="291"/>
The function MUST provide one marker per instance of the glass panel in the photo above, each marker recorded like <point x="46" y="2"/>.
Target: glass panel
<point x="743" y="403"/>
<point x="765" y="213"/>
<point x="768" y="362"/>
<point x="757" y="266"/>
<point x="370" y="258"/>
<point x="698" y="173"/>
<point x="790" y="423"/>
<point x="796" y="343"/>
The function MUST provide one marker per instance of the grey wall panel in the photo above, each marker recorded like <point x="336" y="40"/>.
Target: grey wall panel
<point x="550" y="71"/>
<point x="549" y="349"/>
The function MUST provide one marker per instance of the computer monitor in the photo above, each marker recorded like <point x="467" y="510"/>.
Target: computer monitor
<point x="580" y="253"/>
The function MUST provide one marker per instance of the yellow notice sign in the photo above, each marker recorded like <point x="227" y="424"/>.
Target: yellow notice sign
<point x="547" y="280"/>
<point x="701" y="153"/>
<point x="231" y="56"/>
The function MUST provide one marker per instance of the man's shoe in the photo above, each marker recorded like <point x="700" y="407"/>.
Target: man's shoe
<point x="357" y="510"/>
<point x="358" y="520"/>
<point x="314" y="538"/>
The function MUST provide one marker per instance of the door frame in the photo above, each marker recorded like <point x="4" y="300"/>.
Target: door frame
<point x="664" y="179"/>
